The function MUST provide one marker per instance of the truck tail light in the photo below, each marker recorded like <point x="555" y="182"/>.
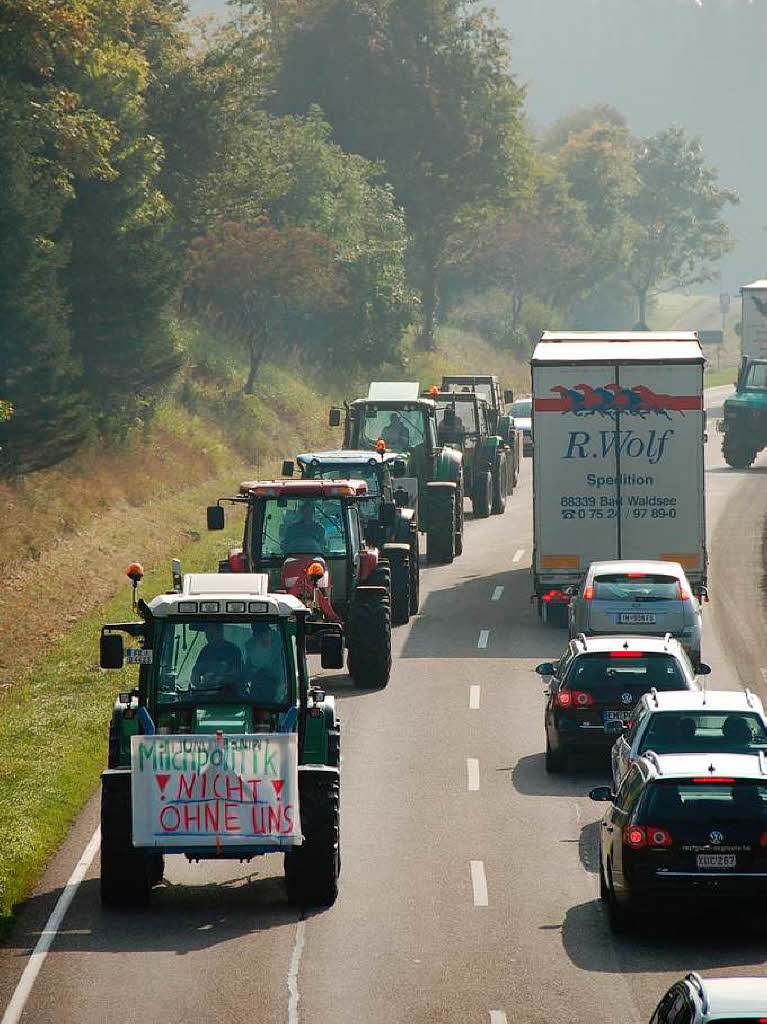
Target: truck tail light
<point x="555" y="596"/>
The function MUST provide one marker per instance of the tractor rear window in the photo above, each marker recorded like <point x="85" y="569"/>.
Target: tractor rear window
<point x="400" y="429"/>
<point x="636" y="587"/>
<point x="306" y="526"/>
<point x="366" y="473"/>
<point x="654" y="669"/>
<point x="523" y="408"/>
<point x="465" y="421"/>
<point x="211" y="660"/>
<point x="689" y="732"/>
<point x="757" y="376"/>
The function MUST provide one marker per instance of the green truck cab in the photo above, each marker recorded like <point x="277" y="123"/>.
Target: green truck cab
<point x="744" y="415"/>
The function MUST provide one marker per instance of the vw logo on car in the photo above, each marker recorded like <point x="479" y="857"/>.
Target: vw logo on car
<point x="626" y="698"/>
<point x="716" y="837"/>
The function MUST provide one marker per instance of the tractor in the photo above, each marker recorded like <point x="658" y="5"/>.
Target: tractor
<point x="307" y="536"/>
<point x="501" y="421"/>
<point x="406" y="423"/>
<point x="744" y="420"/>
<point x="388" y="522"/>
<point x="462" y="421"/>
<point x="224" y="749"/>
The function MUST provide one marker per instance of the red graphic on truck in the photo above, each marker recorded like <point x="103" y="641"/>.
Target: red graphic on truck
<point x="612" y="399"/>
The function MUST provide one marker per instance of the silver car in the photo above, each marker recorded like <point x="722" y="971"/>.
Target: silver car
<point x="641" y="597"/>
<point x="696" y="1000"/>
<point x="522" y="411"/>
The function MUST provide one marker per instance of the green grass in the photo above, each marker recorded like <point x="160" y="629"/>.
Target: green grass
<point x="670" y="307"/>
<point x="716" y="378"/>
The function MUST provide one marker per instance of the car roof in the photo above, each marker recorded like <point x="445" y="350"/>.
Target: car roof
<point x="685" y="766"/>
<point x="304" y="488"/>
<point x="711" y="700"/>
<point x="735" y="995"/>
<point x="627" y="642"/>
<point x="636" y="565"/>
<point x="351" y="457"/>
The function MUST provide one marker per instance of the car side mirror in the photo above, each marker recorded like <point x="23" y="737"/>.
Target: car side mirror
<point x="388" y="514"/>
<point x="546" y="668"/>
<point x="703" y="669"/>
<point x="111" y="651"/>
<point x="332" y="650"/>
<point x="215" y="517"/>
<point x="334" y="418"/>
<point x="288" y="468"/>
<point x="508" y="396"/>
<point x="614" y="728"/>
<point x="602" y="794"/>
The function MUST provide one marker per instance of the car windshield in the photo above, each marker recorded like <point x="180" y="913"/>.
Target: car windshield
<point x="311" y="526"/>
<point x="757" y="376"/>
<point x="214" y="660"/>
<point x="400" y="429"/>
<point x="636" y="586"/>
<point x="626" y="668"/>
<point x="705" y="801"/>
<point x="730" y="732"/>
<point x="464" y="424"/>
<point x="523" y="408"/>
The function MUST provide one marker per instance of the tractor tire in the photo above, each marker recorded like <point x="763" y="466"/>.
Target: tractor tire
<point x="369" y="659"/>
<point x="440" y="534"/>
<point x="482" y="499"/>
<point x="400" y="590"/>
<point x="312" y="869"/>
<point x="458" y="547"/>
<point x="380" y="576"/>
<point x="415" y="574"/>
<point x="500" y="486"/>
<point x="737" y="453"/>
<point x="127" y="874"/>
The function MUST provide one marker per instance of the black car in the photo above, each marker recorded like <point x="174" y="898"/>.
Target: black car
<point x="597" y="682"/>
<point x="683" y="824"/>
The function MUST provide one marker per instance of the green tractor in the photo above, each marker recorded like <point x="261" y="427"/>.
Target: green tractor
<point x="501" y="421"/>
<point x="224" y="749"/>
<point x="389" y="520"/>
<point x="394" y="416"/>
<point x="463" y="422"/>
<point x="744" y="419"/>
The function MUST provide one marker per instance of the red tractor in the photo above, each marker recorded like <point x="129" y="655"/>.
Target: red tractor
<point x="306" y="535"/>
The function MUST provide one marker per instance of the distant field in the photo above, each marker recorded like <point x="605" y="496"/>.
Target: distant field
<point x="670" y="308"/>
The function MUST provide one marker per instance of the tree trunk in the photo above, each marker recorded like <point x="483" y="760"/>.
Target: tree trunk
<point x="256" y="347"/>
<point x="642" y="307"/>
<point x="429" y="299"/>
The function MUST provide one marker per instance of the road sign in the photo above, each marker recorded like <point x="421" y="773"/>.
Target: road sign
<point x="711" y="337"/>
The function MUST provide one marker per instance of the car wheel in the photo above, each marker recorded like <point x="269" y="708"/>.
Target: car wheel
<point x="618" y="915"/>
<point x="604" y="892"/>
<point x="555" y="763"/>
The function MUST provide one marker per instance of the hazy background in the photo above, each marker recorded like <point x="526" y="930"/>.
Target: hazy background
<point x="697" y="62"/>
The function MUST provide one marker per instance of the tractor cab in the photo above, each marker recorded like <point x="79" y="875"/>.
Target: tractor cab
<point x="744" y="415"/>
<point x="462" y="417"/>
<point x="487" y="387"/>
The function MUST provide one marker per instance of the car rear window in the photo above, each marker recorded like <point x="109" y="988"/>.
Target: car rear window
<point x="623" y="668"/>
<point x="523" y="408"/>
<point x="709" y="800"/>
<point x="636" y="587"/>
<point x="674" y="732"/>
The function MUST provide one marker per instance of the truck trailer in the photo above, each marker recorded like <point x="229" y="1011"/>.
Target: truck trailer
<point x="618" y="429"/>
<point x="753" y="336"/>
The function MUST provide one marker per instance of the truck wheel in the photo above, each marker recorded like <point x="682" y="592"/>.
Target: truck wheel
<point x="500" y="485"/>
<point x="369" y="660"/>
<point x="312" y="869"/>
<point x="400" y="590"/>
<point x="482" y="499"/>
<point x="737" y="454"/>
<point x="459" y="518"/>
<point x="440" y="534"/>
<point x="127" y="874"/>
<point x="415" y="575"/>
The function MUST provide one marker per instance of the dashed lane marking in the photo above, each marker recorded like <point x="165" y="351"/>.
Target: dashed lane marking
<point x="498" y="1017"/>
<point x="295" y="963"/>
<point x="497" y="594"/>
<point x="479" y="883"/>
<point x="518" y="555"/>
<point x="472" y="773"/>
<point x="474" y="697"/>
<point x="484" y="636"/>
<point x="16" y="1006"/>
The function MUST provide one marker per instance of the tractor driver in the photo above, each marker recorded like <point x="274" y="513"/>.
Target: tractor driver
<point x="218" y="661"/>
<point x="305" y="532"/>
<point x="264" y="665"/>
<point x="395" y="434"/>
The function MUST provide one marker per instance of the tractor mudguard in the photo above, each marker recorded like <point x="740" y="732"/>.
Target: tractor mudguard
<point x="366" y="593"/>
<point x="317" y="743"/>
<point x="402" y="548"/>
<point x="318" y="771"/>
<point x="449" y="485"/>
<point x="120" y="731"/>
<point x="448" y="466"/>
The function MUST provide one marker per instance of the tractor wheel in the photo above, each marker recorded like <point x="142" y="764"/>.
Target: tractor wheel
<point x="312" y="869"/>
<point x="459" y="518"/>
<point x="415" y="575"/>
<point x="482" y="498"/>
<point x="500" y="486"/>
<point x="127" y="874"/>
<point x="400" y="590"/>
<point x="369" y="660"/>
<point x="737" y="453"/>
<point x="440" y="535"/>
<point x="381" y="576"/>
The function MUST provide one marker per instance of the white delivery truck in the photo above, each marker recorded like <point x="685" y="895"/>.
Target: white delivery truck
<point x="753" y="336"/>
<point x="618" y="435"/>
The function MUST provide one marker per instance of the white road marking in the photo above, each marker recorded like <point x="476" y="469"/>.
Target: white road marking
<point x="764" y="674"/>
<point x="474" y="697"/>
<point x="295" y="963"/>
<point x="497" y="594"/>
<point x="498" y="1017"/>
<point x="16" y="1006"/>
<point x="484" y="636"/>
<point x="518" y="555"/>
<point x="472" y="773"/>
<point x="479" y="883"/>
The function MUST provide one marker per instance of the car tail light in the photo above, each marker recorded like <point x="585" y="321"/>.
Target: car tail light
<point x="715" y="778"/>
<point x="588" y="593"/>
<point x="626" y="654"/>
<point x="574" y="699"/>
<point x="634" y="836"/>
<point x="683" y="594"/>
<point x="657" y="836"/>
<point x="763" y="838"/>
<point x="635" y="575"/>
<point x="639" y="836"/>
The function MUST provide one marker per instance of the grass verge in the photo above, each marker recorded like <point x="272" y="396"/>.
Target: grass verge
<point x="717" y="378"/>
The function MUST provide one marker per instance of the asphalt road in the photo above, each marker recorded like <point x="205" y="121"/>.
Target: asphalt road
<point x="468" y="890"/>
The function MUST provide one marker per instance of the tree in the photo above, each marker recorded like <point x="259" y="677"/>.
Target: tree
<point x="680" y="230"/>
<point x="255" y="282"/>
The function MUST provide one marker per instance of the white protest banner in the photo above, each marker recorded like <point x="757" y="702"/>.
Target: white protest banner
<point x="203" y="791"/>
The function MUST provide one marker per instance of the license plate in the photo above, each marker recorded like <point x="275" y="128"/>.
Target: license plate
<point x="636" y="619"/>
<point x="616" y="716"/>
<point x="716" y="860"/>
